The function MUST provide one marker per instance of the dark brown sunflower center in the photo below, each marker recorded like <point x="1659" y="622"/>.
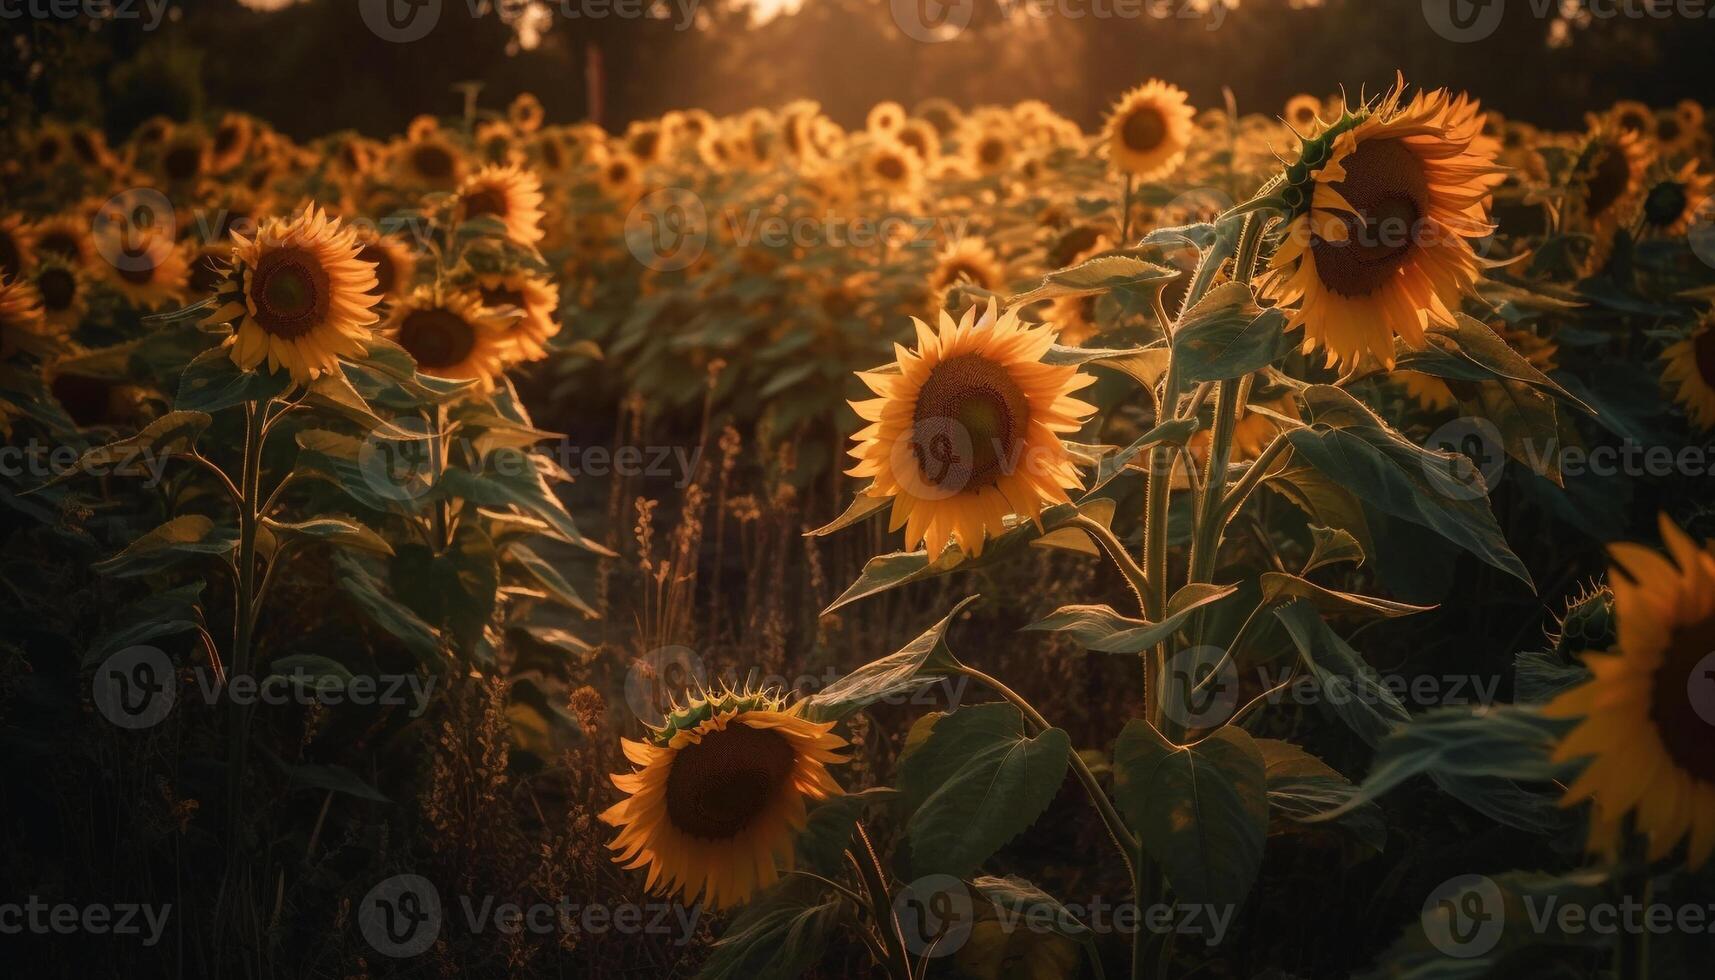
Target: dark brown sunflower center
<point x="438" y="339"/>
<point x="618" y="173"/>
<point x="1613" y="174"/>
<point x="1665" y="204"/>
<point x="485" y="201"/>
<point x="502" y="296"/>
<point x="58" y="288"/>
<point x="1704" y="347"/>
<point x="59" y="242"/>
<point x="991" y="152"/>
<point x="957" y="271"/>
<point x="225" y="138"/>
<point x="47" y="151"/>
<point x="139" y="266"/>
<point x="84" y="145"/>
<point x="1385" y="182"/>
<point x="914" y="139"/>
<point x="1634" y="122"/>
<point x="385" y="274"/>
<point x="969" y="424"/>
<point x="290" y="291"/>
<point x="182" y="162"/>
<point x="719" y="785"/>
<point x="1667" y="129"/>
<point x="551" y="156"/>
<point x="1144" y="129"/>
<point x="645" y="143"/>
<point x="890" y="168"/>
<point x="432" y="161"/>
<point x="1682" y="701"/>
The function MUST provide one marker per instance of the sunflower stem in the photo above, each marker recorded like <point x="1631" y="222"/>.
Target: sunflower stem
<point x="1115" y="549"/>
<point x="881" y="905"/>
<point x="1125" y="211"/>
<point x="244" y="621"/>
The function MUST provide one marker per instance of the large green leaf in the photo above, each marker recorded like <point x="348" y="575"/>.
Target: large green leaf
<point x="1102" y="629"/>
<point x="456" y="589"/>
<point x="513" y="478"/>
<point x="168" y="613"/>
<point x="553" y="584"/>
<point x="1227" y="335"/>
<point x="914" y="666"/>
<point x="1097" y="275"/>
<point x="212" y="382"/>
<point x="778" y="936"/>
<point x="178" y="540"/>
<point x="386" y="612"/>
<point x="342" y="532"/>
<point x="1279" y="586"/>
<point x="143" y="454"/>
<point x="828" y="829"/>
<point x="1347" y="685"/>
<point x="1201" y="810"/>
<point x="977" y="780"/>
<point x="1301" y="787"/>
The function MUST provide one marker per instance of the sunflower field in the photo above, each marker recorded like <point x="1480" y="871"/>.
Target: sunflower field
<point x="955" y="539"/>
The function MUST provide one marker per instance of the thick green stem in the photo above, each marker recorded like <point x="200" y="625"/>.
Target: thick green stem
<point x="1115" y="550"/>
<point x="249" y="519"/>
<point x="869" y="868"/>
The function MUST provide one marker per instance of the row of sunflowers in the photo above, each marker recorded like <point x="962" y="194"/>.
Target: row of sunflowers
<point x="1374" y="308"/>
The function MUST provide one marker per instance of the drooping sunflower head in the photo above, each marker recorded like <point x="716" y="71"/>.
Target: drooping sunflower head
<point x="966" y="429"/>
<point x="966" y="260"/>
<point x="1384" y="203"/>
<point x="535" y="298"/>
<point x="1649" y="706"/>
<point x="1607" y="181"/>
<point x="1149" y="130"/>
<point x="509" y="194"/>
<point x="1690" y="374"/>
<point x="298" y="296"/>
<point x="451" y="335"/>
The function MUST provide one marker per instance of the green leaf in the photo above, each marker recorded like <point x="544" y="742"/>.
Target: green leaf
<point x="1540" y="676"/>
<point x="1227" y="335"/>
<point x="1302" y="787"/>
<point x="862" y="508"/>
<point x="778" y="936"/>
<point x="169" y="613"/>
<point x="549" y="578"/>
<point x="212" y="382"/>
<point x="386" y="612"/>
<point x="912" y="667"/>
<point x="828" y="829"/>
<point x="174" y="433"/>
<point x="1472" y="343"/>
<point x="1277" y="586"/>
<point x="1102" y="629"/>
<point x="1176" y="432"/>
<point x="1097" y="275"/>
<point x="341" y="532"/>
<point x="513" y="478"/>
<point x="1350" y="687"/>
<point x="976" y="781"/>
<point x="1145" y="365"/>
<point x="334" y="393"/>
<point x="180" y="539"/>
<point x="456" y="589"/>
<point x="362" y="470"/>
<point x="317" y="671"/>
<point x="1332" y="545"/>
<point x="1201" y="811"/>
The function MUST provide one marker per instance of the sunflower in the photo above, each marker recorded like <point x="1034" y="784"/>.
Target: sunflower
<point x="395" y="263"/>
<point x="17" y="246"/>
<point x="1645" y="712"/>
<point x="298" y="296"/>
<point x="1607" y="183"/>
<point x="22" y="325"/>
<point x="718" y="795"/>
<point x="1632" y="117"/>
<point x="989" y="153"/>
<point x="511" y="195"/>
<point x="885" y="118"/>
<point x="536" y="296"/>
<point x="1672" y="201"/>
<point x="148" y="267"/>
<point x="1690" y="372"/>
<point x="921" y="139"/>
<point x="231" y="141"/>
<point x="646" y="141"/>
<point x="496" y="142"/>
<point x="450" y="335"/>
<point x="525" y="113"/>
<point x="1427" y="390"/>
<point x="429" y="160"/>
<point x="64" y="293"/>
<point x="1671" y="136"/>
<point x="1149" y="130"/>
<point x="891" y="168"/>
<point x="620" y="178"/>
<point x="185" y="157"/>
<point x="966" y="260"/>
<point x="1075" y="318"/>
<point x="1302" y="113"/>
<point x="1383" y="201"/>
<point x="89" y="145"/>
<point x="968" y="430"/>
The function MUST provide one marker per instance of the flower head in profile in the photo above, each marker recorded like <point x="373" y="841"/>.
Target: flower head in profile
<point x="298" y="296"/>
<point x="1647" y="712"/>
<point x="1384" y="204"/>
<point x="717" y="794"/>
<point x="1690" y="374"/>
<point x="965" y="431"/>
<point x="536" y="300"/>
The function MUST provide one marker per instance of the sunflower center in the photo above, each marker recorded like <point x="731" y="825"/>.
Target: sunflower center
<point x="1609" y="181"/>
<point x="969" y="423"/>
<point x="645" y="143"/>
<point x="1144" y="129"/>
<point x="958" y="271"/>
<point x="58" y="242"/>
<point x="487" y="201"/>
<point x="1385" y="182"/>
<point x="58" y="289"/>
<point x="991" y="152"/>
<point x="432" y="162"/>
<point x="182" y="162"/>
<point x="225" y="138"/>
<point x="1665" y="203"/>
<point x="1682" y="700"/>
<point x="290" y="292"/>
<point x="1704" y="348"/>
<point x="1667" y="129"/>
<point x="719" y="785"/>
<point x="890" y="168"/>
<point x="437" y="338"/>
<point x="385" y="274"/>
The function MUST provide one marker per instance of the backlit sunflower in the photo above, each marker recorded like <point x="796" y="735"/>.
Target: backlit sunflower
<point x="64" y="293"/>
<point x="1649" y="708"/>
<point x="718" y="794"/>
<point x="1149" y="130"/>
<point x="22" y="326"/>
<point x="967" y="260"/>
<point x="496" y="142"/>
<point x="1632" y="117"/>
<point x="620" y="177"/>
<point x="1671" y="201"/>
<point x="509" y="194"/>
<point x="988" y="153"/>
<point x="525" y="113"/>
<point x="298" y="296"/>
<point x="395" y="263"/>
<point x="891" y="168"/>
<point x="66" y="237"/>
<point x="17" y="246"/>
<point x="920" y="138"/>
<point x="430" y="160"/>
<point x="185" y="156"/>
<point x="230" y="142"/>
<point x="646" y="141"/>
<point x="536" y="297"/>
<point x="967" y="432"/>
<point x="1690" y="373"/>
<point x="1607" y="182"/>
<point x="1384" y="202"/>
<point x="149" y="269"/>
<point x="1301" y="113"/>
<point x="885" y="118"/>
<point x="450" y="335"/>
